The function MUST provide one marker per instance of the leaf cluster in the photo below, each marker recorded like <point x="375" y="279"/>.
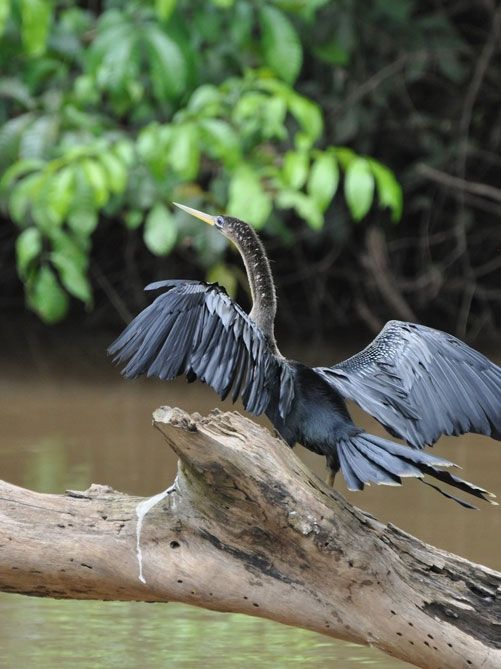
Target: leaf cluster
<point x="110" y="115"/>
<point x="286" y="113"/>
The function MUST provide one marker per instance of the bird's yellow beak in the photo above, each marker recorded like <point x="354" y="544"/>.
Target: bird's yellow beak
<point x="197" y="214"/>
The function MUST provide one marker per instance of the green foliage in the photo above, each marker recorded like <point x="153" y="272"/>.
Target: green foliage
<point x="281" y="45"/>
<point x="247" y="197"/>
<point x="160" y="230"/>
<point x="28" y="249"/>
<point x="323" y="179"/>
<point x="36" y="17"/>
<point x="111" y="115"/>
<point x="359" y="187"/>
<point x="45" y="295"/>
<point x="389" y="190"/>
<point x="4" y="14"/>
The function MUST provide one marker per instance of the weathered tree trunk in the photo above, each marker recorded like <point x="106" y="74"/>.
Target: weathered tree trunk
<point x="247" y="528"/>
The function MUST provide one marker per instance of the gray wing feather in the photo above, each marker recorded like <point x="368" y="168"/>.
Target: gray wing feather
<point x="421" y="383"/>
<point x="195" y="328"/>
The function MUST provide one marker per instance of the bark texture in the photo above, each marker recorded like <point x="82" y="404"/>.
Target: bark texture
<point x="246" y="527"/>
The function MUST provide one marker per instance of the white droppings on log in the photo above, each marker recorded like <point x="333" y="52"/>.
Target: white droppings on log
<point x="141" y="510"/>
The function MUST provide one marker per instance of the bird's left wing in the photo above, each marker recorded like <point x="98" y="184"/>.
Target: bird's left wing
<point x="195" y="328"/>
<point x="421" y="383"/>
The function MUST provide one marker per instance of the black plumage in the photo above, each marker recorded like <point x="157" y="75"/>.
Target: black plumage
<point x="419" y="383"/>
<point x="194" y="328"/>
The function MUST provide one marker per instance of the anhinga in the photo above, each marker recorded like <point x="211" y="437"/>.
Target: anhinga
<point x="419" y="383"/>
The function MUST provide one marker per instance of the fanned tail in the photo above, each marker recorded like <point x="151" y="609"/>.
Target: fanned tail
<point x="365" y="459"/>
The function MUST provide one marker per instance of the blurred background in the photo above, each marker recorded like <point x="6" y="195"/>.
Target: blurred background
<point x="361" y="138"/>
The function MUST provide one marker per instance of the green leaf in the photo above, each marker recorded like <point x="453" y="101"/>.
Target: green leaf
<point x="72" y="276"/>
<point x="221" y="140"/>
<point x="35" y="16"/>
<point x="42" y="211"/>
<point x="83" y="221"/>
<point x="273" y="124"/>
<point x="85" y="91"/>
<point x="160" y="231"/>
<point x="205" y="99"/>
<point x="147" y="141"/>
<point x="46" y="297"/>
<point x="18" y="169"/>
<point x="359" y="188"/>
<point x="308" y="115"/>
<point x="114" y="64"/>
<point x="133" y="219"/>
<point x="153" y="146"/>
<point x="247" y="198"/>
<point x="388" y="189"/>
<point x="295" y="168"/>
<point x="4" y="14"/>
<point x="323" y="180"/>
<point x="241" y="25"/>
<point x="344" y="156"/>
<point x="124" y="149"/>
<point x="61" y="188"/>
<point x="76" y="249"/>
<point x="305" y="206"/>
<point x="111" y="56"/>
<point x="184" y="150"/>
<point x="39" y="138"/>
<point x="28" y="247"/>
<point x="249" y="108"/>
<point x="116" y="171"/>
<point x="281" y="44"/>
<point x="97" y="179"/>
<point x="10" y="136"/>
<point x="82" y="217"/>
<point x="164" y="8"/>
<point x="17" y="90"/>
<point x="225" y="276"/>
<point x="23" y="195"/>
<point x="168" y="69"/>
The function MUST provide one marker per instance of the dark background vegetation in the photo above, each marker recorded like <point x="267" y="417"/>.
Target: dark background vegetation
<point x="302" y="117"/>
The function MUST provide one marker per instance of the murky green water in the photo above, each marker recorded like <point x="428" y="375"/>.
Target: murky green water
<point x="67" y="428"/>
<point x="109" y="635"/>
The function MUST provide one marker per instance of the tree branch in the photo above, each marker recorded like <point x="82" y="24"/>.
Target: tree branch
<point x="246" y="527"/>
<point x="450" y="181"/>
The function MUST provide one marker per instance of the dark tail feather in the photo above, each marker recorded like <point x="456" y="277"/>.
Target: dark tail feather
<point x="365" y="459"/>
<point x="464" y="503"/>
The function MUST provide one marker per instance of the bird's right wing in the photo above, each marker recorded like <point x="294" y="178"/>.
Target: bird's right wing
<point x="195" y="328"/>
<point x="421" y="383"/>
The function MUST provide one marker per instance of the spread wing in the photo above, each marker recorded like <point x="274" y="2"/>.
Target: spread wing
<point x="421" y="383"/>
<point x="194" y="328"/>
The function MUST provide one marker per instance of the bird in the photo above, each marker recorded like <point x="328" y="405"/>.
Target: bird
<point x="417" y="382"/>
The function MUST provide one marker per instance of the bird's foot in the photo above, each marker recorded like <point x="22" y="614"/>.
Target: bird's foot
<point x="331" y="477"/>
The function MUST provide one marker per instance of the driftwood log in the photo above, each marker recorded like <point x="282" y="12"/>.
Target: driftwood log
<point x="246" y="527"/>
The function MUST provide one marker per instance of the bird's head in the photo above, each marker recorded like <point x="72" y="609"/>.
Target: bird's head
<point x="232" y="228"/>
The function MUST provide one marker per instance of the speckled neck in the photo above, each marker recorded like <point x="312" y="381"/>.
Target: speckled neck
<point x="264" y="300"/>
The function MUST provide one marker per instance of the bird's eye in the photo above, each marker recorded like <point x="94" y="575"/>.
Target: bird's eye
<point x="219" y="222"/>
